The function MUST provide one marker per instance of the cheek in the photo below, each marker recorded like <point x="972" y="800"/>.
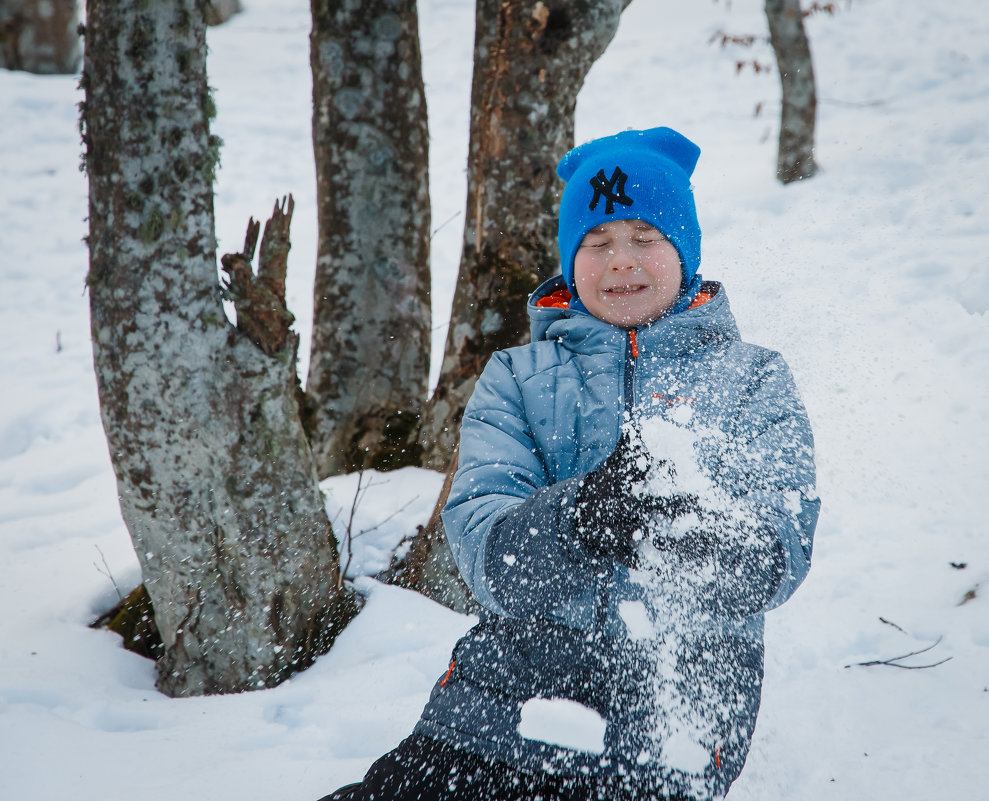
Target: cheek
<point x="668" y="269"/>
<point x="585" y="271"/>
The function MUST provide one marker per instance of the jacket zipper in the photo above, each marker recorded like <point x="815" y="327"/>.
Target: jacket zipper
<point x="631" y="357"/>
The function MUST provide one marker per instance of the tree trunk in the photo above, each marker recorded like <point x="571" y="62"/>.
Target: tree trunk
<point x="530" y="60"/>
<point x="369" y="368"/>
<point x="40" y="36"/>
<point x="796" y="149"/>
<point x="216" y="481"/>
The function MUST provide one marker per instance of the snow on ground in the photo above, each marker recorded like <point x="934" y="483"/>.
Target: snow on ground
<point x="872" y="279"/>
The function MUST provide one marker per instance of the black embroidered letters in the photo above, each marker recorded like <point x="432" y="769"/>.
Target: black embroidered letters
<point x="613" y="190"/>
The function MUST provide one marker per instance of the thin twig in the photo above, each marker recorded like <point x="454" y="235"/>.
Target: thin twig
<point x="892" y="663"/>
<point x="444" y="224"/>
<point x="359" y="494"/>
<point x="895" y="660"/>
<point x="837" y="101"/>
<point x="394" y="514"/>
<point x="108" y="573"/>
<point x="891" y="623"/>
<point x="350" y="526"/>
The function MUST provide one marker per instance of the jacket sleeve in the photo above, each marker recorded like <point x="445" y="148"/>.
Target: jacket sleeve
<point x="768" y="470"/>
<point x="509" y="530"/>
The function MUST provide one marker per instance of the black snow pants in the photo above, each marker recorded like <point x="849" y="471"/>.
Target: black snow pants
<point x="422" y="769"/>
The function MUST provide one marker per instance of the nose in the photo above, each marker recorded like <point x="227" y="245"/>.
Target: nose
<point x="621" y="256"/>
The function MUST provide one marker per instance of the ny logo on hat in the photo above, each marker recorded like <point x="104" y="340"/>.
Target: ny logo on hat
<point x="613" y="190"/>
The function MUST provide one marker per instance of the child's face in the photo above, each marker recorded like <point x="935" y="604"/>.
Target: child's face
<point x="627" y="273"/>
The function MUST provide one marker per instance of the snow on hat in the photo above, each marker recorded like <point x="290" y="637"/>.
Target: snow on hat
<point x="633" y="175"/>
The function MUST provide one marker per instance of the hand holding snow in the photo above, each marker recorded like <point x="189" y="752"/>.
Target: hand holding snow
<point x="675" y="468"/>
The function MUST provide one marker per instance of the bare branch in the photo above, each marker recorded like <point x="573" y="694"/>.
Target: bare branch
<point x="891" y="623"/>
<point x="393" y="515"/>
<point x="895" y="660"/>
<point x="106" y="572"/>
<point x="350" y="528"/>
<point x="445" y="223"/>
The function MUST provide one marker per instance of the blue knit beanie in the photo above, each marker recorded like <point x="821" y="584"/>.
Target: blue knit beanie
<point x="634" y="175"/>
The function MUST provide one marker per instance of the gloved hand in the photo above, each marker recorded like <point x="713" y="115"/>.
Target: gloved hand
<point x="694" y="545"/>
<point x="674" y="503"/>
<point x="610" y="517"/>
<point x="748" y="560"/>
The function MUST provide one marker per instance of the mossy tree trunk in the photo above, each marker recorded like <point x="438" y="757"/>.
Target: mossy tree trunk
<point x="530" y="61"/>
<point x="369" y="365"/>
<point x="215" y="477"/>
<point x="40" y="36"/>
<point x="795" y="159"/>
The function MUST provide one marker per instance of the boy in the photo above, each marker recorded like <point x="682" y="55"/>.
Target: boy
<point x="635" y="488"/>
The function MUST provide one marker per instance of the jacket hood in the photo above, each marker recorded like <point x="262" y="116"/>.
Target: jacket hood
<point x="675" y="332"/>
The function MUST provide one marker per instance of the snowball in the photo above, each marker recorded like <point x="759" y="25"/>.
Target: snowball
<point x="682" y="752"/>
<point x="636" y="620"/>
<point x="677" y="443"/>
<point x="682" y="413"/>
<point x="560" y="721"/>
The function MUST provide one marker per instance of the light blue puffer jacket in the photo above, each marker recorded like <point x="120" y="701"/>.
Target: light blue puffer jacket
<point x="543" y="415"/>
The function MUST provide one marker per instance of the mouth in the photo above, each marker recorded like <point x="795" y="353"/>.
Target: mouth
<point x="631" y="289"/>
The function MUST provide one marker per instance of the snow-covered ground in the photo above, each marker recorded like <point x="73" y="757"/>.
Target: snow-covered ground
<point x="872" y="279"/>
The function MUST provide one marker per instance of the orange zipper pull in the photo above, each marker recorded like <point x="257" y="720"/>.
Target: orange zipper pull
<point x="633" y="342"/>
<point x="446" y="678"/>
